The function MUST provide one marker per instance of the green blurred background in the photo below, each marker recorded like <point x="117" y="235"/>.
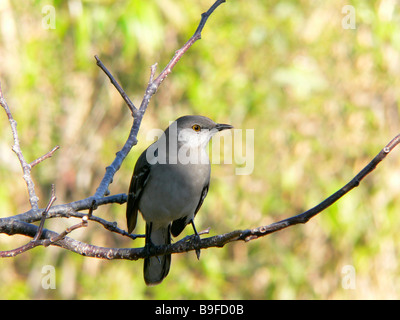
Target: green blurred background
<point x="322" y="100"/>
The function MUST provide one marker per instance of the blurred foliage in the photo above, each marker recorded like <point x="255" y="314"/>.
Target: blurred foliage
<point x="322" y="99"/>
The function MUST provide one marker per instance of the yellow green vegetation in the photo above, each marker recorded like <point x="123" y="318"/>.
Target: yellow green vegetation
<point x="321" y="96"/>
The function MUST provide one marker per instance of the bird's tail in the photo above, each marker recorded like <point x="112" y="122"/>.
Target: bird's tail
<point x="155" y="269"/>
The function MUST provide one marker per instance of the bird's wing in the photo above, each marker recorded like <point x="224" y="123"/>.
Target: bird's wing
<point x="179" y="224"/>
<point x="203" y="196"/>
<point x="139" y="179"/>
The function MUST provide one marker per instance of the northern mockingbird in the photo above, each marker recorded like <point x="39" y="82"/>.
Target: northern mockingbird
<point x="169" y="184"/>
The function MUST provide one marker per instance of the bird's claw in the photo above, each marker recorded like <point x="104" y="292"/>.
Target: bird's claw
<point x="149" y="248"/>
<point x="196" y="242"/>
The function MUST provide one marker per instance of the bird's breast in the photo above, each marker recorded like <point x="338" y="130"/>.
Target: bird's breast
<point x="173" y="191"/>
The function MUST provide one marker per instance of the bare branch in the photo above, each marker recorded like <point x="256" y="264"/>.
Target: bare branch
<point x="150" y="91"/>
<point x="62" y="235"/>
<point x="22" y="223"/>
<point x="13" y="226"/>
<point x="44" y="213"/>
<point x="42" y="158"/>
<point x="179" y="53"/>
<point x="69" y="209"/>
<point x="121" y="91"/>
<point x="26" y="167"/>
<point x="12" y="253"/>
<point x="307" y="215"/>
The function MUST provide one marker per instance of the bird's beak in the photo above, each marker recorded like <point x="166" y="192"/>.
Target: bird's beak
<point x="222" y="126"/>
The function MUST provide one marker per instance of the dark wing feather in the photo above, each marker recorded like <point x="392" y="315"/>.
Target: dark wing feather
<point x="138" y="183"/>
<point x="179" y="224"/>
<point x="203" y="196"/>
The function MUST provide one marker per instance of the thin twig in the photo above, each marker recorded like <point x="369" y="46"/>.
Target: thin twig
<point x="17" y="251"/>
<point x="179" y="53"/>
<point x="121" y="91"/>
<point x="44" y="157"/>
<point x="36" y="239"/>
<point x="67" y="231"/>
<point x="44" y="214"/>
<point x="26" y="167"/>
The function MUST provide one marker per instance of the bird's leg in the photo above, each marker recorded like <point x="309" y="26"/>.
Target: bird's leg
<point x="149" y="245"/>
<point x="196" y="238"/>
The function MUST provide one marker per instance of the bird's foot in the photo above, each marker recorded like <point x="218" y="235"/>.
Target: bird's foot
<point x="150" y="248"/>
<point x="196" y="243"/>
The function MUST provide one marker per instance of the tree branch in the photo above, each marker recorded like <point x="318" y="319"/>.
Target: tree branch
<point x="71" y="210"/>
<point x="179" y="53"/>
<point x="44" y="157"/>
<point x="22" y="223"/>
<point x="121" y="91"/>
<point x="26" y="167"/>
<point x="13" y="226"/>
<point x="151" y="89"/>
<point x="44" y="213"/>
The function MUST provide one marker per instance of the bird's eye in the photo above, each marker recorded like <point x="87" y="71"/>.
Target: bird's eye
<point x="196" y="127"/>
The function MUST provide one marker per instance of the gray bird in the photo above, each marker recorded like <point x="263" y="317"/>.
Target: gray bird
<point x="169" y="183"/>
